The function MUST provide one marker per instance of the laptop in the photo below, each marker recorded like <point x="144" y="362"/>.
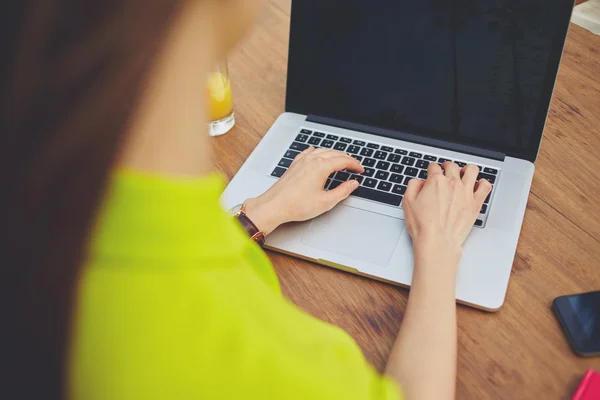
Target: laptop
<point x="399" y="85"/>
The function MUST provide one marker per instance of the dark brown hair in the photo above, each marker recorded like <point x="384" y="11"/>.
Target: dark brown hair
<point x="71" y="73"/>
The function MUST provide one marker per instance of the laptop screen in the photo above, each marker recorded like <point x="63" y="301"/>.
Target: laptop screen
<point x="476" y="72"/>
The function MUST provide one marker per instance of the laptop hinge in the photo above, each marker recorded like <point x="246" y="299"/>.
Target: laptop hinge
<point x="462" y="148"/>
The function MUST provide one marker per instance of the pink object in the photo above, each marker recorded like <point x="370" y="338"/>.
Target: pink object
<point x="589" y="388"/>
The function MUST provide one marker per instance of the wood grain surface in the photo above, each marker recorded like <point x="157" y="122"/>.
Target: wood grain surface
<point x="518" y="352"/>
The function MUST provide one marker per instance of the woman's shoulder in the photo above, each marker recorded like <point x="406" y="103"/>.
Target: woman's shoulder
<point x="151" y="217"/>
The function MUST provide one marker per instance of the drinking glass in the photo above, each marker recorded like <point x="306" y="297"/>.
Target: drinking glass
<point x="220" y="104"/>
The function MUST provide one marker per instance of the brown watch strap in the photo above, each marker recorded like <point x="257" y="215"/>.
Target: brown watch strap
<point x="248" y="225"/>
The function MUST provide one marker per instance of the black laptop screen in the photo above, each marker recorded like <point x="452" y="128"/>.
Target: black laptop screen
<point x="477" y="72"/>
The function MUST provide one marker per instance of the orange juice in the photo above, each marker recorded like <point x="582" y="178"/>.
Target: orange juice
<point x="220" y="103"/>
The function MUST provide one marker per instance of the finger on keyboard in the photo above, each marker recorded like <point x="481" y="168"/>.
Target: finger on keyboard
<point x="345" y="162"/>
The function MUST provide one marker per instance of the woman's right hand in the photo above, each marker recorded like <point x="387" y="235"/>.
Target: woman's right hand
<point x="440" y="212"/>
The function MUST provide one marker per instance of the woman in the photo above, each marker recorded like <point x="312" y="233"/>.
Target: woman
<point x="124" y="279"/>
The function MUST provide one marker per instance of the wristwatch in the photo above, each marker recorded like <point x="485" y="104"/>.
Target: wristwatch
<point x="256" y="235"/>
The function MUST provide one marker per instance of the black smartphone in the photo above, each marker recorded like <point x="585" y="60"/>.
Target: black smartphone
<point x="579" y="315"/>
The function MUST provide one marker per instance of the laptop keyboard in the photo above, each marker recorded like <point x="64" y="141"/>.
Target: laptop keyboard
<point x="387" y="169"/>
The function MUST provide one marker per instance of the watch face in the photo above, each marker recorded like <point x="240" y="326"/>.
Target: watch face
<point x="236" y="209"/>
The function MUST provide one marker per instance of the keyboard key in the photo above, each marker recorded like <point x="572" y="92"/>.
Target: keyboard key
<point x="479" y="223"/>
<point x="331" y="175"/>
<point x="278" y="172"/>
<point x="410" y="171"/>
<point x="395" y="178"/>
<point x="359" y="143"/>
<point x="387" y="148"/>
<point x="366" y="152"/>
<point x="443" y="160"/>
<point x="399" y="189"/>
<point x="319" y="134"/>
<point x="291" y="154"/>
<point x="376" y="195"/>
<point x="483" y="209"/>
<point x="301" y="138"/>
<point x="394" y="158"/>
<point x="359" y="158"/>
<point x="461" y="164"/>
<point x="490" y="171"/>
<point x="382" y="175"/>
<point x="373" y="146"/>
<point x="299" y="146"/>
<point x="357" y="178"/>
<point x="385" y="186"/>
<point x="342" y="176"/>
<point x="333" y="137"/>
<point x="401" y="152"/>
<point x="415" y="154"/>
<point x="340" y="146"/>
<point x="369" y="172"/>
<point x="327" y="143"/>
<point x="490" y="178"/>
<point x="346" y="140"/>
<point x="327" y="184"/>
<point x="380" y="155"/>
<point x="397" y="168"/>
<point x="423" y="174"/>
<point x="406" y="180"/>
<point x="334" y="184"/>
<point x="370" y="182"/>
<point x="408" y="161"/>
<point x="430" y="158"/>
<point x="306" y="131"/>
<point x="353" y="149"/>
<point x="369" y="162"/>
<point x="285" y="163"/>
<point x="384" y="165"/>
<point x="422" y="164"/>
<point x="314" y="141"/>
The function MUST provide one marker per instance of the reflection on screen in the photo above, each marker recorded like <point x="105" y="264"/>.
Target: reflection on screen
<point x="587" y="314"/>
<point x="462" y="70"/>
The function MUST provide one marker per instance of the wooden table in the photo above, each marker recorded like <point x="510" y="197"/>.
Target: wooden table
<point x="518" y="352"/>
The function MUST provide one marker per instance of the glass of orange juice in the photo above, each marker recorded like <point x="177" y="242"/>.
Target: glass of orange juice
<point x="220" y="104"/>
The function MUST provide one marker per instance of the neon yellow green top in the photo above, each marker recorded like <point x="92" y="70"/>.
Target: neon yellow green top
<point x="176" y="302"/>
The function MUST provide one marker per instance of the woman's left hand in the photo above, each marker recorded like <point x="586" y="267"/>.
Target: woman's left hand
<point x="299" y="195"/>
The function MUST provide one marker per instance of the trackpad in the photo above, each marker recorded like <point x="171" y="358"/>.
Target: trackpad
<point x="356" y="233"/>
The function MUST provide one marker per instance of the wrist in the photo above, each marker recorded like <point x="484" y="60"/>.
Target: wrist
<point x="437" y="246"/>
<point x="263" y="214"/>
<point x="438" y="257"/>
